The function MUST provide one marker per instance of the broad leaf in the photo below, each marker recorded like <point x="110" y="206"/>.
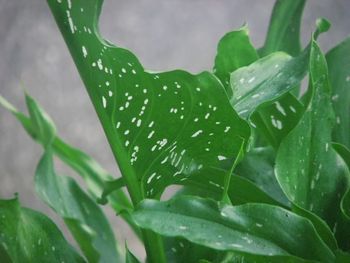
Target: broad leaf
<point x="312" y="175"/>
<point x="284" y="29"/>
<point x="338" y="60"/>
<point x="93" y="174"/>
<point x="266" y="80"/>
<point x="29" y="236"/>
<point x="257" y="229"/>
<point x="81" y="214"/>
<point x="234" y="51"/>
<point x="161" y="127"/>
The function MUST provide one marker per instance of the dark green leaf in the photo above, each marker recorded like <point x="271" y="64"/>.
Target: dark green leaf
<point x="257" y="229"/>
<point x="161" y="127"/>
<point x="342" y="257"/>
<point x="310" y="172"/>
<point x="258" y="167"/>
<point x="234" y="51"/>
<point x="28" y="236"/>
<point x="342" y="227"/>
<point x="275" y="121"/>
<point x="338" y="60"/>
<point x="82" y="215"/>
<point x="284" y="29"/>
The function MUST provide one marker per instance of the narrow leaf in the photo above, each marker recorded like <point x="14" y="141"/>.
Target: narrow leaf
<point x="130" y="258"/>
<point x="92" y="173"/>
<point x="284" y="29"/>
<point x="313" y="175"/>
<point x="82" y="215"/>
<point x="29" y="236"/>
<point x="257" y="229"/>
<point x="338" y="60"/>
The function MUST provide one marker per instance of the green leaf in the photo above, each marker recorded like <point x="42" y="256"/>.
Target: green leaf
<point x="130" y="258"/>
<point x="338" y="60"/>
<point x="82" y="215"/>
<point x="29" y="236"/>
<point x="41" y="121"/>
<point x="234" y="51"/>
<point x="284" y="29"/>
<point x="342" y="227"/>
<point x="275" y="121"/>
<point x="257" y="229"/>
<point x="266" y="80"/>
<point x="161" y="127"/>
<point x="310" y="172"/>
<point x="258" y="167"/>
<point x="321" y="227"/>
<point x="93" y="174"/>
<point x="342" y="257"/>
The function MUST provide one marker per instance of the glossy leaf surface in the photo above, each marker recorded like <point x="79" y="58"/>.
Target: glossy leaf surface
<point x="265" y="80"/>
<point x="161" y="127"/>
<point x="258" y="229"/>
<point x="338" y="60"/>
<point x="312" y="175"/>
<point x="29" y="236"/>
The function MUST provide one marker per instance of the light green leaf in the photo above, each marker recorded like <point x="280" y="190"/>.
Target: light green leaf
<point x="29" y="236"/>
<point x="161" y="127"/>
<point x="234" y="51"/>
<point x="93" y="174"/>
<point x="130" y="258"/>
<point x="284" y="29"/>
<point x="257" y="229"/>
<point x="338" y="60"/>
<point x="310" y="172"/>
<point x="265" y="80"/>
<point x="82" y="215"/>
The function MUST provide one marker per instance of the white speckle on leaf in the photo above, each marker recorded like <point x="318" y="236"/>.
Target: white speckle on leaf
<point x="220" y="158"/>
<point x="251" y="79"/>
<point x="196" y="133"/>
<point x="104" y="102"/>
<point x="280" y="108"/>
<point x="85" y="53"/>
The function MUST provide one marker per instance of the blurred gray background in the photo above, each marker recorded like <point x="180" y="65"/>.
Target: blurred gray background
<point x="164" y="34"/>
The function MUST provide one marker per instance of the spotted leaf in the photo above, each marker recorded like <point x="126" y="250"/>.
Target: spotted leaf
<point x="258" y="229"/>
<point x="313" y="175"/>
<point x="163" y="128"/>
<point x="338" y="60"/>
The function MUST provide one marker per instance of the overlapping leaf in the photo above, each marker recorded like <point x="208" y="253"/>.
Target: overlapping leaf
<point x="258" y="229"/>
<point x="338" y="60"/>
<point x="29" y="236"/>
<point x="234" y="51"/>
<point x="93" y="174"/>
<point x="163" y="128"/>
<point x="284" y="29"/>
<point x="312" y="175"/>
<point x="81" y="214"/>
